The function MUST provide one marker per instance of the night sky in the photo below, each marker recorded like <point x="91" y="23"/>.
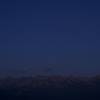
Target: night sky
<point x="49" y="37"/>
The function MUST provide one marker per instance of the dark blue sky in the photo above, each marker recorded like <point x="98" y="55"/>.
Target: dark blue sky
<point x="49" y="36"/>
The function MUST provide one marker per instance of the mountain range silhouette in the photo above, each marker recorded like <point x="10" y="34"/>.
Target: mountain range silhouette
<point x="50" y="88"/>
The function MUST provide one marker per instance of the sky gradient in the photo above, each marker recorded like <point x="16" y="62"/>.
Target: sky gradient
<point x="49" y="37"/>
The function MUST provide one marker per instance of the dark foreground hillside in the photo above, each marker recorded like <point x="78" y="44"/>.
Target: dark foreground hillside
<point x="50" y="88"/>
